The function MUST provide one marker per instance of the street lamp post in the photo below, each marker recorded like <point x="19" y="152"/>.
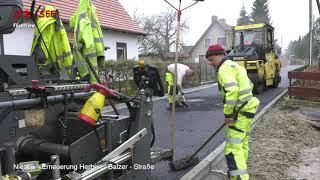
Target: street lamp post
<point x="318" y="5"/>
<point x="310" y="32"/>
<point x="173" y="113"/>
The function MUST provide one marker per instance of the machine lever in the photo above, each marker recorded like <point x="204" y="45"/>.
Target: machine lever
<point x="126" y="145"/>
<point x="96" y="172"/>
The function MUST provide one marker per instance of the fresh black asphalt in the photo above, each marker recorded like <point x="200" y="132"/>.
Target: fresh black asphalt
<point x="196" y="124"/>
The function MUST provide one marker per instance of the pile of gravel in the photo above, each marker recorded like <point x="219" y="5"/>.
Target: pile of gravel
<point x="279" y="141"/>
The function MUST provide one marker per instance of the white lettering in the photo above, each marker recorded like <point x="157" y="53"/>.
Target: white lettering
<point x="117" y="166"/>
<point x="28" y="167"/>
<point x="61" y="167"/>
<point x="44" y="166"/>
<point x="23" y="25"/>
<point x="16" y="166"/>
<point x="143" y="167"/>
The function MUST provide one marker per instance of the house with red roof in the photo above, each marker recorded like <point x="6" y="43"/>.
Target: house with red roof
<point x="121" y="32"/>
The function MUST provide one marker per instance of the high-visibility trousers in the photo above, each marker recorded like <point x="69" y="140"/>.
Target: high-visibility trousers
<point x="237" y="147"/>
<point x="170" y="82"/>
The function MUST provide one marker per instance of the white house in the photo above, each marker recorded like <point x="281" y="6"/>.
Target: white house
<point x="120" y="31"/>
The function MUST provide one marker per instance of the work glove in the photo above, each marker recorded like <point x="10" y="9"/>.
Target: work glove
<point x="228" y="121"/>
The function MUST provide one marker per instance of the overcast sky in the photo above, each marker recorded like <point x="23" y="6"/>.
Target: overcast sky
<point x="289" y="17"/>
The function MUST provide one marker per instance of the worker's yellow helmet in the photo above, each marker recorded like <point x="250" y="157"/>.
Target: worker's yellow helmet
<point x="141" y="63"/>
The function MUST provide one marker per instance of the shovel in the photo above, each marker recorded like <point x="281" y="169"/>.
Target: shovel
<point x="193" y="159"/>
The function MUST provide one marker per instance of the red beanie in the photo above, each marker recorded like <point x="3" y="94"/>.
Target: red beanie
<point x="215" y="49"/>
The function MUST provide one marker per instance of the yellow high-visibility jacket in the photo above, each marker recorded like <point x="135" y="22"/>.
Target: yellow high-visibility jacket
<point x="88" y="39"/>
<point x="235" y="88"/>
<point x="56" y="40"/>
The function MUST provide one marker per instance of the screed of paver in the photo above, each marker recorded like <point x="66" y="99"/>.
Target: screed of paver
<point x="284" y="146"/>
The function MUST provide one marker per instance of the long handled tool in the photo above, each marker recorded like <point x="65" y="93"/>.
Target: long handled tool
<point x="100" y="82"/>
<point x="193" y="159"/>
<point x="173" y="114"/>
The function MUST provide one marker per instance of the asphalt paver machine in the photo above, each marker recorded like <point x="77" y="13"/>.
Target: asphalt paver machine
<point x="42" y="136"/>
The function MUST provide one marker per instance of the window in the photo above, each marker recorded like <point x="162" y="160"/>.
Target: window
<point x="121" y="50"/>
<point x="222" y="41"/>
<point x="249" y="37"/>
<point x="207" y="42"/>
<point x="270" y="38"/>
<point x="202" y="58"/>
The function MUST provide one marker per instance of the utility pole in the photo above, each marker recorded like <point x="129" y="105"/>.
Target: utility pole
<point x="310" y="32"/>
<point x="318" y="5"/>
<point x="1" y="45"/>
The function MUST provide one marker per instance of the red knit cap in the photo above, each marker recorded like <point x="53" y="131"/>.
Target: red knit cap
<point x="215" y="49"/>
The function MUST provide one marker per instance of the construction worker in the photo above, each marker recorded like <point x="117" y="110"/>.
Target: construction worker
<point x="182" y="71"/>
<point x="56" y="53"/>
<point x="235" y="89"/>
<point x="88" y="47"/>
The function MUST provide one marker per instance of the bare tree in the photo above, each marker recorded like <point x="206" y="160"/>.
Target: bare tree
<point x="161" y="30"/>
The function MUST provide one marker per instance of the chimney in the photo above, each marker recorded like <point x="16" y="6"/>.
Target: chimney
<point x="222" y="20"/>
<point x="214" y="19"/>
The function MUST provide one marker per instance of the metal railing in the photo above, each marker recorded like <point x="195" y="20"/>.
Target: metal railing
<point x="305" y="84"/>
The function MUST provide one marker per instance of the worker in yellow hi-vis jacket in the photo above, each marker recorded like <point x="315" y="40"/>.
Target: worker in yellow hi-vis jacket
<point x="235" y="89"/>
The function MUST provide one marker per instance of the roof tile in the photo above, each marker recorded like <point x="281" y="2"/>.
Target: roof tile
<point x="111" y="13"/>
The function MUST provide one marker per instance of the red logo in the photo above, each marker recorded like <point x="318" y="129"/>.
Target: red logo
<point x="26" y="14"/>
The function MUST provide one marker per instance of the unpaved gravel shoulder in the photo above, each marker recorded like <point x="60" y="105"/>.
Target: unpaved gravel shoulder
<point x="283" y="145"/>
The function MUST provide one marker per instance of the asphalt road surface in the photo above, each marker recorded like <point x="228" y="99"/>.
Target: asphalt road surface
<point x="196" y="124"/>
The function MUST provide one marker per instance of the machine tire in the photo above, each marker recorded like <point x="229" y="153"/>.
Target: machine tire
<point x="258" y="88"/>
<point x="258" y="84"/>
<point x="276" y="80"/>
